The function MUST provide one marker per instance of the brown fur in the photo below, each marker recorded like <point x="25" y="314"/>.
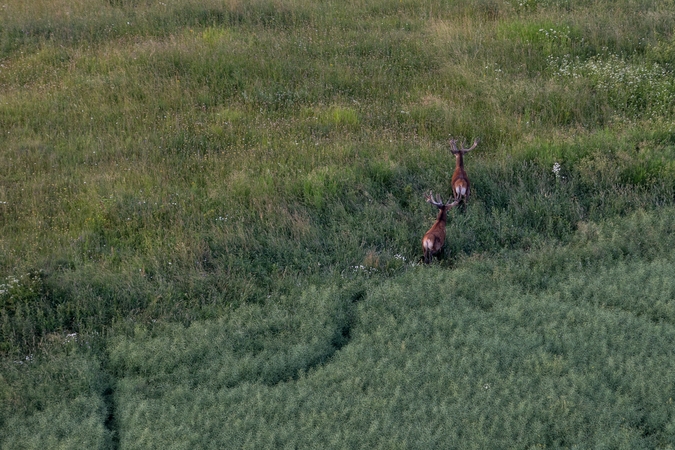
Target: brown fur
<point x="461" y="187"/>
<point x="433" y="240"/>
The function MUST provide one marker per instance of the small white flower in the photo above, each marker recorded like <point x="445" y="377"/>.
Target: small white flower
<point x="556" y="169"/>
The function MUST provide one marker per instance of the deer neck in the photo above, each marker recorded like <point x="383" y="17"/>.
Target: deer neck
<point x="459" y="160"/>
<point x="442" y="216"/>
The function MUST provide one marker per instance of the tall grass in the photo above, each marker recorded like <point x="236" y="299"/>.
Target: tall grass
<point x="170" y="167"/>
<point x="55" y="400"/>
<point x="439" y="358"/>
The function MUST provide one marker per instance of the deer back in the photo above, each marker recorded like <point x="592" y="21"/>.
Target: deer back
<point x="460" y="181"/>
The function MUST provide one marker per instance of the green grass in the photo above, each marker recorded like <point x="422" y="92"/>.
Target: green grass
<point x="224" y="201"/>
<point x="55" y="400"/>
<point x="434" y="358"/>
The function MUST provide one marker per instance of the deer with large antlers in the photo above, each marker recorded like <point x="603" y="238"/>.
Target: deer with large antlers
<point x="460" y="181"/>
<point x="433" y="240"/>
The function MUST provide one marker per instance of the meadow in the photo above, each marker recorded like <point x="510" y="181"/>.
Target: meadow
<point x="211" y="215"/>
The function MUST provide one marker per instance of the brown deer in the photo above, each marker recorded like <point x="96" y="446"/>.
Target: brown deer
<point x="460" y="182"/>
<point x="433" y="240"/>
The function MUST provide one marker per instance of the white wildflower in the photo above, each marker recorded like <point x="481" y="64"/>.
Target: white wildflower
<point x="556" y="169"/>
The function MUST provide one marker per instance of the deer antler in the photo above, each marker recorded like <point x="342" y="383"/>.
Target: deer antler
<point x="453" y="146"/>
<point x="475" y="143"/>
<point x="454" y="150"/>
<point x="437" y="202"/>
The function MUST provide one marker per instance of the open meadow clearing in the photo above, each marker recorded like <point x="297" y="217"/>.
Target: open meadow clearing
<point x="211" y="214"/>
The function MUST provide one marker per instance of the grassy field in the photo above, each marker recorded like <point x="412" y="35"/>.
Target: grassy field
<point x="211" y="216"/>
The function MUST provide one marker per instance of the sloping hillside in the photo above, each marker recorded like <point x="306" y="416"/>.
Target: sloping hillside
<point x="211" y="215"/>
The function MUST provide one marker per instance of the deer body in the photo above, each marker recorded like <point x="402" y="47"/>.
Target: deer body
<point x="461" y="187"/>
<point x="433" y="240"/>
<point x="460" y="181"/>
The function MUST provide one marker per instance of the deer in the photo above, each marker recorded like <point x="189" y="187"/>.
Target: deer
<point x="460" y="181"/>
<point x="433" y="240"/>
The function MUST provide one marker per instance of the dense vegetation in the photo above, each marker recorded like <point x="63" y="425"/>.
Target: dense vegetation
<point x="211" y="214"/>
